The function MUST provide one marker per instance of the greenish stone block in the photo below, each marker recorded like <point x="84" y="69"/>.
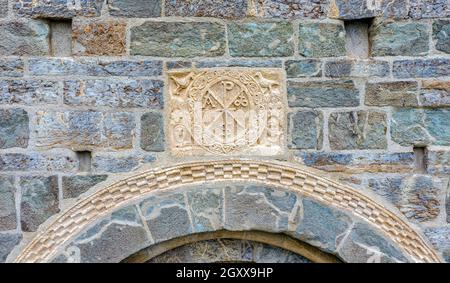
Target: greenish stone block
<point x="321" y="40"/>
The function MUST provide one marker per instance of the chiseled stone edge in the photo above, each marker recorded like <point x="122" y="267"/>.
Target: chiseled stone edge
<point x="279" y="174"/>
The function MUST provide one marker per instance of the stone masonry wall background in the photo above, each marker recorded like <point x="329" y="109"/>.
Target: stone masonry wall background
<point x="82" y="93"/>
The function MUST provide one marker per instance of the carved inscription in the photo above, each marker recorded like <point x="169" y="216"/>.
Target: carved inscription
<point x="226" y="111"/>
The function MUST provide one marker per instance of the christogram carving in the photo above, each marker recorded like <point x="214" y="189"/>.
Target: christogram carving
<point x="226" y="111"/>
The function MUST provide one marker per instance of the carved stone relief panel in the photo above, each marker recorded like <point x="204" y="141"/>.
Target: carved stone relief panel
<point x="227" y="112"/>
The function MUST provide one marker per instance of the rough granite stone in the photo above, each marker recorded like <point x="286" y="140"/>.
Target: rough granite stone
<point x="440" y="239"/>
<point x="258" y="208"/>
<point x="167" y="215"/>
<point x="73" y="186"/>
<point x="269" y="63"/>
<point x="7" y="243"/>
<point x="322" y="94"/>
<point x="3" y="8"/>
<point x="206" y="208"/>
<point x="421" y="68"/>
<point x="321" y="40"/>
<point x="97" y="37"/>
<point x="290" y="9"/>
<point x="366" y="245"/>
<point x="84" y="130"/>
<point x="303" y="68"/>
<point x="178" y="65"/>
<point x="362" y="9"/>
<point x="399" y="94"/>
<point x="416" y="196"/>
<point x="321" y="225"/>
<point x="399" y="39"/>
<point x="358" y="162"/>
<point x="420" y="9"/>
<point x="178" y="39"/>
<point x="117" y="163"/>
<point x="357" y="130"/>
<point x="14" y="129"/>
<point x="356" y="68"/>
<point x="152" y="132"/>
<point x="268" y="39"/>
<point x="93" y="67"/>
<point x="24" y="38"/>
<point x="39" y="201"/>
<point x="421" y="127"/>
<point x="135" y="8"/>
<point x="35" y="161"/>
<point x="305" y="129"/>
<point x="435" y="94"/>
<point x="8" y="219"/>
<point x="59" y="9"/>
<point x="206" y="8"/>
<point x="126" y="93"/>
<point x="438" y="162"/>
<point x="29" y="92"/>
<point x="441" y="33"/>
<point x="11" y="67"/>
<point x="114" y="238"/>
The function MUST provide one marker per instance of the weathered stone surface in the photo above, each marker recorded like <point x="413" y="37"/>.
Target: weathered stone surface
<point x="358" y="162"/>
<point x="166" y="215"/>
<point x="416" y="196"/>
<point x="303" y="68"/>
<point x="206" y="8"/>
<point x="7" y="242"/>
<point x="135" y="8"/>
<point x="60" y="9"/>
<point x="435" y="94"/>
<point x="258" y="208"/>
<point x="322" y="94"/>
<point x="357" y="130"/>
<point x="82" y="130"/>
<point x="178" y="39"/>
<point x="115" y="237"/>
<point x="14" y="129"/>
<point x="321" y="225"/>
<point x="440" y="239"/>
<point x="240" y="63"/>
<point x="421" y="68"/>
<point x="98" y="37"/>
<point x="321" y="40"/>
<point x="361" y="9"/>
<point x="116" y="163"/>
<point x="39" y="201"/>
<point x="400" y="94"/>
<point x="441" y="33"/>
<point x="399" y="39"/>
<point x="438" y="162"/>
<point x="290" y="9"/>
<point x="268" y="39"/>
<point x="305" y="130"/>
<point x="421" y="127"/>
<point x="24" y="37"/>
<point x="178" y="65"/>
<point x="50" y="161"/>
<point x="8" y="219"/>
<point x="73" y="186"/>
<point x="29" y="92"/>
<point x="429" y="9"/>
<point x="11" y="67"/>
<point x="3" y="8"/>
<point x="126" y="93"/>
<point x="93" y="67"/>
<point x="206" y="208"/>
<point x="365" y="245"/>
<point x="357" y="68"/>
<point x="152" y="132"/>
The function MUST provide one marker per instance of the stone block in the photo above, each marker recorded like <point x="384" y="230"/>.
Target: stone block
<point x="438" y="162"/>
<point x="206" y="8"/>
<point x="8" y="219"/>
<point x="135" y="8"/>
<point x="357" y="68"/>
<point x="420" y="9"/>
<point x="14" y="129"/>
<point x="441" y="34"/>
<point x="152" y="132"/>
<point x="305" y="130"/>
<point x="435" y="94"/>
<point x="303" y="68"/>
<point x="29" y="92"/>
<point x="290" y="9"/>
<point x="321" y="40"/>
<point x="7" y="243"/>
<point x="117" y="163"/>
<point x="206" y="208"/>
<point x="251" y="63"/>
<point x="421" y="68"/>
<point x="24" y="38"/>
<point x="73" y="186"/>
<point x="35" y="161"/>
<point x="440" y="239"/>
<point x="11" y="67"/>
<point x="58" y="9"/>
<point x="399" y="94"/>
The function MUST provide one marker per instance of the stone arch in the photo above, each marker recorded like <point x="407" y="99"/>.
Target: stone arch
<point x="271" y="196"/>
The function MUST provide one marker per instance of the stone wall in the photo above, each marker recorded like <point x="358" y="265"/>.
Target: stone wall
<point x="83" y="84"/>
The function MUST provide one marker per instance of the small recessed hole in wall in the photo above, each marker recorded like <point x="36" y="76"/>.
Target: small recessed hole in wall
<point x="61" y="37"/>
<point x="357" y="37"/>
<point x="420" y="160"/>
<point x="84" y="161"/>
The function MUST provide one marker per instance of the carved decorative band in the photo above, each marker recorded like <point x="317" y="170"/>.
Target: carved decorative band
<point x="106" y="200"/>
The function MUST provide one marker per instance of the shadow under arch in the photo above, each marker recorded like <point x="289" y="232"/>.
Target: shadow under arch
<point x="331" y="216"/>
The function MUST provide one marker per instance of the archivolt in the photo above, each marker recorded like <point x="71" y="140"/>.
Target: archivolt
<point x="281" y="174"/>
